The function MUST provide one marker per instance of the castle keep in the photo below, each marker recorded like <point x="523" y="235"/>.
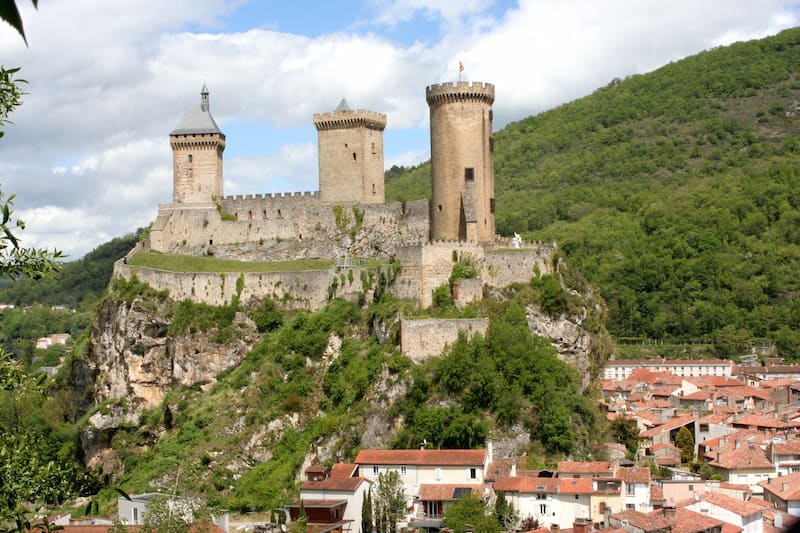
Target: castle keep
<point x="348" y="216"/>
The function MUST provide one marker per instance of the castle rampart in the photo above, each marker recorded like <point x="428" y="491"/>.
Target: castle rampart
<point x="425" y="338"/>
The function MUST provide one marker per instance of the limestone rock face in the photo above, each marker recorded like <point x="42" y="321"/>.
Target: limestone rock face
<point x="573" y="343"/>
<point x="133" y="357"/>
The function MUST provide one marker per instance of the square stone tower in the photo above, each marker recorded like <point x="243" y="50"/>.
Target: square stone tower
<point x="350" y="155"/>
<point x="197" y="145"/>
<point x="462" y="165"/>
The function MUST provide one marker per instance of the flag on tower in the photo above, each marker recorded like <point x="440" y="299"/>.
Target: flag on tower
<point x="460" y="66"/>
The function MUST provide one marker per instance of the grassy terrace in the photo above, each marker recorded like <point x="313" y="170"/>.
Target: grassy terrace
<point x="189" y="263"/>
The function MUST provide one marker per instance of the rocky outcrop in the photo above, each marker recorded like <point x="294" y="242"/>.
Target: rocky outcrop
<point x="573" y="343"/>
<point x="133" y="356"/>
<point x="134" y="362"/>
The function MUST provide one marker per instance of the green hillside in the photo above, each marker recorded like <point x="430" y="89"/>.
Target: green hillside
<point x="80" y="282"/>
<point x="675" y="192"/>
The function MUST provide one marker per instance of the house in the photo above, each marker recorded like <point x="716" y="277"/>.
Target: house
<point x="785" y="456"/>
<point x="783" y="493"/>
<point x="744" y="463"/>
<point x="666" y="520"/>
<point x="434" y="499"/>
<point x="465" y="469"/>
<point x="734" y="511"/>
<point x="531" y="497"/>
<point x="664" y="454"/>
<point x="324" y="490"/>
<point x="635" y="488"/>
<point x="323" y="516"/>
<point x="573" y="500"/>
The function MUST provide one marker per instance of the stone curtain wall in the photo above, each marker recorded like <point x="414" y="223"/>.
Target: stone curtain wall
<point x="283" y="227"/>
<point x="425" y="338"/>
<point x="307" y="289"/>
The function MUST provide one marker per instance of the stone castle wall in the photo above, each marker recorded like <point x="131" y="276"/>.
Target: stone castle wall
<point x="197" y="166"/>
<point x="288" y="226"/>
<point x="425" y="338"/>
<point x="305" y="289"/>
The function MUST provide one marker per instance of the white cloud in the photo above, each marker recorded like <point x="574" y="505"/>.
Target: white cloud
<point x="394" y="11"/>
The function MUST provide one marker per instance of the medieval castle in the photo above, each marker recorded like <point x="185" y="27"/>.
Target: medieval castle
<point x="348" y="217"/>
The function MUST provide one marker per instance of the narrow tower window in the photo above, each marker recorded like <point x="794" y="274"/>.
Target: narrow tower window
<point x="373" y="148"/>
<point x="491" y="144"/>
<point x="264" y="214"/>
<point x="440" y="208"/>
<point x="491" y="205"/>
<point x="373" y="188"/>
<point x="469" y="174"/>
<point x="190" y="158"/>
<point x="249" y="215"/>
<point x="354" y="156"/>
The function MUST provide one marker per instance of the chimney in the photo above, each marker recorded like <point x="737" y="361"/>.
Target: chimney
<point x="670" y="512"/>
<point x="581" y="525"/>
<point x="784" y="486"/>
<point x="554" y="528"/>
<point x="513" y="468"/>
<point x="489" y="450"/>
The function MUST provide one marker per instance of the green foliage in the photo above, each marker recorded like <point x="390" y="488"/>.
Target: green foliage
<point x="37" y="463"/>
<point x="190" y="317"/>
<point x="685" y="441"/>
<point x="181" y="515"/>
<point x="625" y="431"/>
<point x="224" y="215"/>
<point x="341" y="217"/>
<point x="266" y="316"/>
<point x="507" y="518"/>
<point x="79" y="285"/>
<point x="470" y="510"/>
<point x="442" y="297"/>
<point x="389" y="505"/>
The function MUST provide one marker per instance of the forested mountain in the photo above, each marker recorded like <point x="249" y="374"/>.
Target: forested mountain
<point x="80" y="282"/>
<point x="675" y="192"/>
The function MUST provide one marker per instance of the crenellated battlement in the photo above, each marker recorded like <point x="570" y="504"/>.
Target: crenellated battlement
<point x="272" y="196"/>
<point x="350" y="119"/>
<point x="459" y="91"/>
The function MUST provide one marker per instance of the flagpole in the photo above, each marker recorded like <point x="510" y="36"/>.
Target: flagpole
<point x="460" y="68"/>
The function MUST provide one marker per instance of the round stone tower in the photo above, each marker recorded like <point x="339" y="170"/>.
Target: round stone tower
<point x="197" y="145"/>
<point x="350" y="155"/>
<point x="462" y="172"/>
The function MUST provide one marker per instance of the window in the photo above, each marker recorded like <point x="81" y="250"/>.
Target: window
<point x="373" y="188"/>
<point x="438" y="474"/>
<point x="491" y="115"/>
<point x="440" y="208"/>
<point x="577" y="497"/>
<point x="469" y="174"/>
<point x="375" y="470"/>
<point x="354" y="156"/>
<point x="491" y="144"/>
<point x="691" y="488"/>
<point x="373" y="148"/>
<point x="491" y="205"/>
<point x="190" y="158"/>
<point x="135" y="515"/>
<point x="473" y="473"/>
<point x="630" y="506"/>
<point x="403" y="470"/>
<point x="629" y="489"/>
<point x="542" y="509"/>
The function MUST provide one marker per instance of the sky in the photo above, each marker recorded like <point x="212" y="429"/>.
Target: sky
<point x="88" y="152"/>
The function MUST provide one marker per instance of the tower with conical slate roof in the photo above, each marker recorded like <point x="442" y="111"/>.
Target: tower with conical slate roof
<point x="197" y="145"/>
<point x="462" y="174"/>
<point x="350" y="155"/>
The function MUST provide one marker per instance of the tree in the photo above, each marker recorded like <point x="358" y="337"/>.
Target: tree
<point x="17" y="261"/>
<point x="166" y="514"/>
<point x="366" y="513"/>
<point x="507" y="518"/>
<point x="389" y="505"/>
<point x="10" y="14"/>
<point x="625" y="431"/>
<point x="469" y="510"/>
<point x="685" y="441"/>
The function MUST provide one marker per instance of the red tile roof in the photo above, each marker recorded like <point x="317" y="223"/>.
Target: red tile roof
<point x="585" y="467"/>
<point x="527" y="485"/>
<point x="784" y="487"/>
<point x="343" y="470"/>
<point x="575" y="486"/>
<point x="691" y="522"/>
<point x="634" y="474"/>
<point x="422" y="457"/>
<point x="443" y="492"/>
<point x="748" y="455"/>
<point x="335" y="484"/>
<point x="669" y="425"/>
<point x="791" y="447"/>
<point x="740" y="507"/>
